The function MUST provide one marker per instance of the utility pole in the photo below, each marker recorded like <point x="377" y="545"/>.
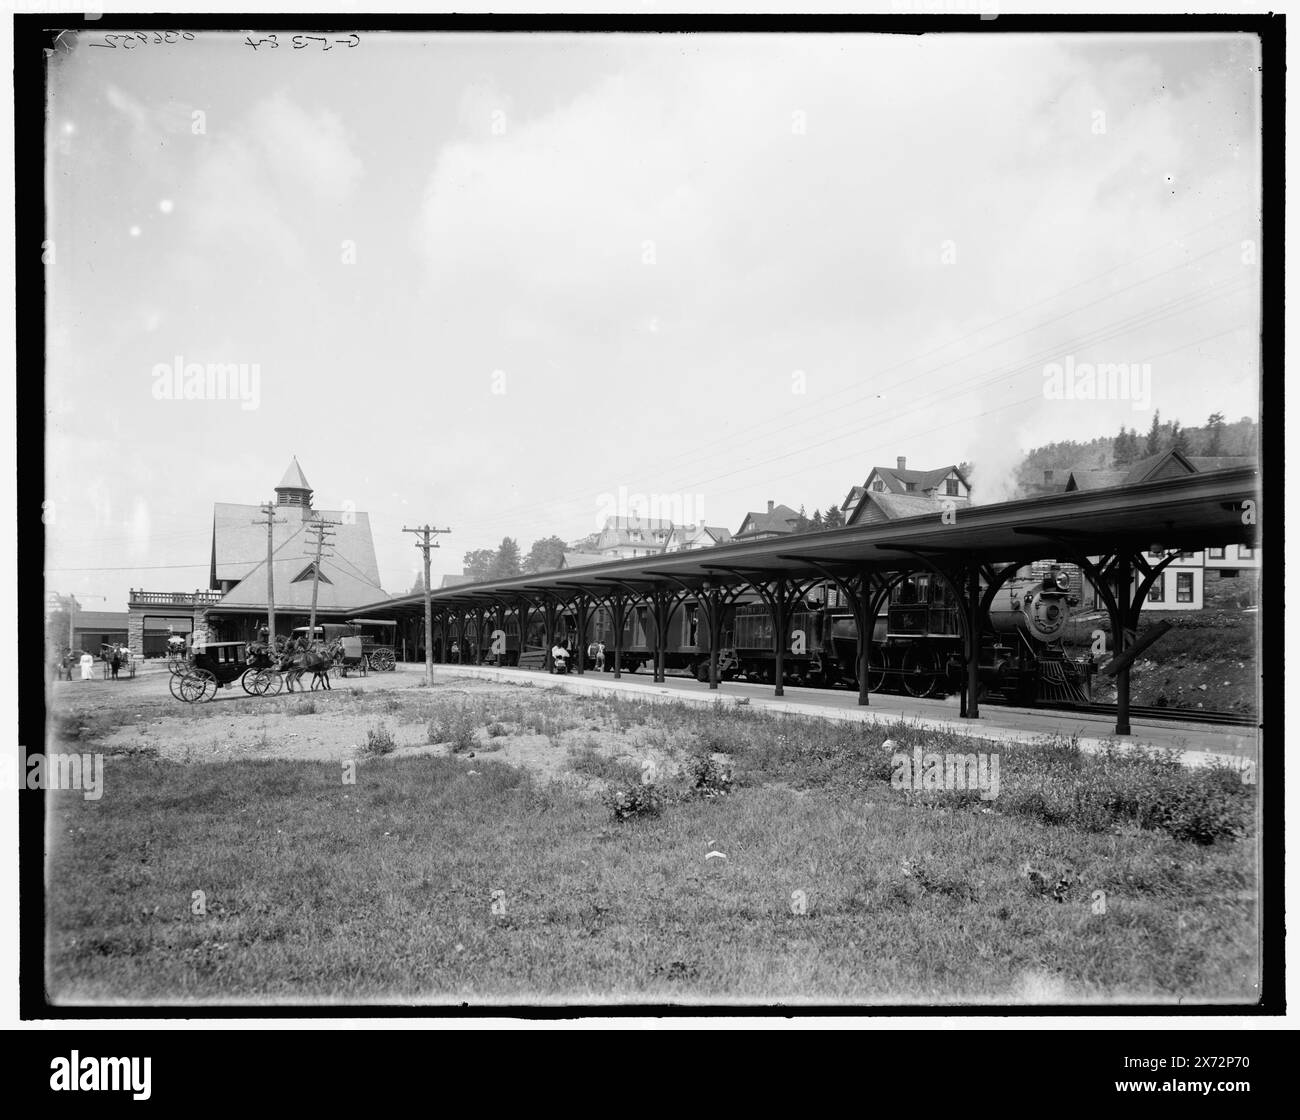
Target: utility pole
<point x="426" y="542"/>
<point x="320" y="527"/>
<point x="269" y="519"/>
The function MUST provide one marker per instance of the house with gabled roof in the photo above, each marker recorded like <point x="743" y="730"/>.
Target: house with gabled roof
<point x="1216" y="577"/>
<point x="893" y="492"/>
<point x="683" y="538"/>
<point x="778" y="521"/>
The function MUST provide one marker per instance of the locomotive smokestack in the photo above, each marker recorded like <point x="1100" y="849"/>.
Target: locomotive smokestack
<point x="902" y="462"/>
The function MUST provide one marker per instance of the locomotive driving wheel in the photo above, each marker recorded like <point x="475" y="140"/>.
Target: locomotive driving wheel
<point x="875" y="667"/>
<point x="920" y="671"/>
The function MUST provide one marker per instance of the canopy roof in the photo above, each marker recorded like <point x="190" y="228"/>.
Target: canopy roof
<point x="1189" y="512"/>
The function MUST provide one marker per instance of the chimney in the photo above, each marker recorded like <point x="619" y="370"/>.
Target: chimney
<point x="902" y="462"/>
<point x="770" y="504"/>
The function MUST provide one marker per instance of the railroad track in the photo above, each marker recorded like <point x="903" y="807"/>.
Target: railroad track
<point x="1151" y="712"/>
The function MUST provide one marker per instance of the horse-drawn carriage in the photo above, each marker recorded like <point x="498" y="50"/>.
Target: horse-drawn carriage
<point x="358" y="644"/>
<point x="219" y="665"/>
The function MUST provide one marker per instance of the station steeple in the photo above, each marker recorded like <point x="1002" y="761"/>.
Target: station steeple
<point x="294" y="490"/>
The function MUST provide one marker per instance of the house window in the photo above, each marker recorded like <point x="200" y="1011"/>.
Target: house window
<point x="878" y="486"/>
<point x="1184" y="587"/>
<point x="909" y="485"/>
<point x="1244" y="553"/>
<point x="1157" y="592"/>
<point x="950" y="487"/>
<point x="1216" y="554"/>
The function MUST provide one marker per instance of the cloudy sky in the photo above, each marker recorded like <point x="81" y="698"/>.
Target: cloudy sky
<point x="488" y="281"/>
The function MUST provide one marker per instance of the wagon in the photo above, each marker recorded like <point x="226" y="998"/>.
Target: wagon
<point x="351" y="656"/>
<point x="375" y="635"/>
<point x="219" y="665"/>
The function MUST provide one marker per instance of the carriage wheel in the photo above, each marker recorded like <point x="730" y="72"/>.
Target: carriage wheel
<point x="196" y="686"/>
<point x="176" y="666"/>
<point x="274" y="682"/>
<point x="920" y="670"/>
<point x="382" y="660"/>
<point x="257" y="682"/>
<point x="174" y="684"/>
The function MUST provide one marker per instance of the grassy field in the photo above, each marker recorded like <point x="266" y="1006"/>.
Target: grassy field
<point x="443" y="877"/>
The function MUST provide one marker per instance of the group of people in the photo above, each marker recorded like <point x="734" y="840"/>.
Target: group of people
<point x="561" y="652"/>
<point x="117" y="658"/>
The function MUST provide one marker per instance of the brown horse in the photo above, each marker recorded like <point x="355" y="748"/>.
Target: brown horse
<point x="302" y="661"/>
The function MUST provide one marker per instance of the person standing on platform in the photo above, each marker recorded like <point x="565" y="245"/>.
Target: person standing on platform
<point x="87" y="665"/>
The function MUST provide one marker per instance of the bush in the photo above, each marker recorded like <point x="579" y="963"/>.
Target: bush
<point x="635" y="801"/>
<point x="496" y="730"/>
<point x="706" y="778"/>
<point x="379" y="740"/>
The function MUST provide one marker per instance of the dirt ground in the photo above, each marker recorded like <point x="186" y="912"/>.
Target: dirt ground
<point x="141" y="716"/>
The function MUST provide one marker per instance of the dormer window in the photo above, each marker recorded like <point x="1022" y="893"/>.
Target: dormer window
<point x="878" y="486"/>
<point x="950" y="488"/>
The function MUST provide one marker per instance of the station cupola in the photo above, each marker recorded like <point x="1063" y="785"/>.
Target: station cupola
<point x="294" y="489"/>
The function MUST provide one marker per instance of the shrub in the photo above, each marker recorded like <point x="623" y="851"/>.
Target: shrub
<point x="635" y="801"/>
<point x="303" y="708"/>
<point x="496" y="730"/>
<point x="379" y="740"/>
<point x="706" y="778"/>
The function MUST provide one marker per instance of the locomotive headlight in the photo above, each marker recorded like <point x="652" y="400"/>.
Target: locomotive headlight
<point x="1062" y="581"/>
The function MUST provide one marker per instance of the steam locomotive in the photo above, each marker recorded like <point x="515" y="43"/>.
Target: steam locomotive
<point x="916" y="646"/>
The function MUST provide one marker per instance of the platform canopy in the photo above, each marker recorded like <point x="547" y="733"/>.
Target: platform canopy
<point x="1186" y="513"/>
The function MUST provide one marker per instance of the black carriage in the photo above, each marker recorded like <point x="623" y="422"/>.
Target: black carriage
<point x="219" y="665"/>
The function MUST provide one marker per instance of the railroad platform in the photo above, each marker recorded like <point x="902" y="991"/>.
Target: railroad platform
<point x="1198" y="745"/>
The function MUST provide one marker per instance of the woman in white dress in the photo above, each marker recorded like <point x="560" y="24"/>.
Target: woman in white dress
<point x="87" y="666"/>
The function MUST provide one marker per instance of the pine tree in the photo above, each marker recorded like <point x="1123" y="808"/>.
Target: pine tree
<point x="418" y="586"/>
<point x="1215" y="428"/>
<point x="834" y="517"/>
<point x="1153" y="435"/>
<point x="818" y="524"/>
<point x="1178" y="438"/>
<point x="506" y="561"/>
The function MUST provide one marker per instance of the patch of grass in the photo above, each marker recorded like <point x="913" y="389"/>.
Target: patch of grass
<point x="588" y="760"/>
<point x="382" y="890"/>
<point x="302" y="708"/>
